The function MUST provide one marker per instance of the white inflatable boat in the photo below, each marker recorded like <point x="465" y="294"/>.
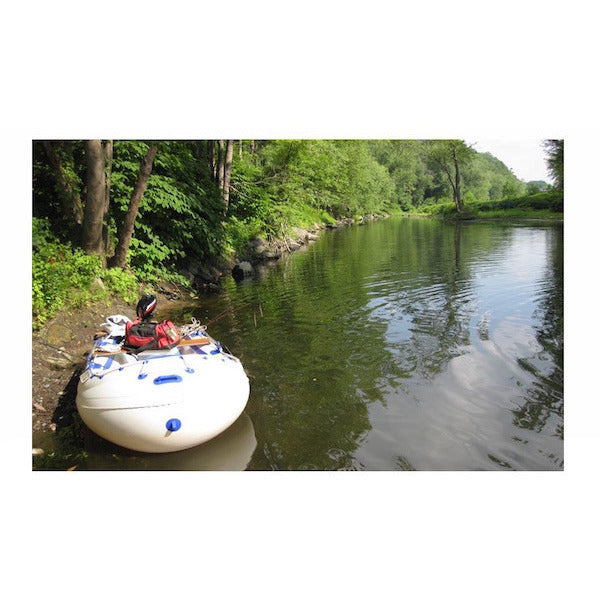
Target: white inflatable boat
<point x="162" y="400"/>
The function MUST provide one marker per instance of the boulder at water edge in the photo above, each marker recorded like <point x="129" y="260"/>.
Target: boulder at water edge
<point x="242" y="270"/>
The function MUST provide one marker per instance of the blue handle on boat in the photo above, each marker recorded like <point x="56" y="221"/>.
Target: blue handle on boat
<point x="167" y="379"/>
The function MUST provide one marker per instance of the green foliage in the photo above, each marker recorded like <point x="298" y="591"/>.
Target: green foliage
<point x="405" y="161"/>
<point x="62" y="276"/>
<point x="469" y="197"/>
<point x="535" y="187"/>
<point x="275" y="185"/>
<point x="511" y="189"/>
<point x="239" y="232"/>
<point x="555" y="161"/>
<point x="414" y="166"/>
<point x="541" y="205"/>
<point x="302" y="182"/>
<point x="490" y="179"/>
<point x="180" y="213"/>
<point x="48" y="194"/>
<point x="121" y="283"/>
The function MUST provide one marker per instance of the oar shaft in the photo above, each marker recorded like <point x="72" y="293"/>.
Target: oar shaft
<point x="197" y="342"/>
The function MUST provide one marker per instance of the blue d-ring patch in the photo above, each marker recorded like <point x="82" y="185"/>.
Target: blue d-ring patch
<point x="173" y="424"/>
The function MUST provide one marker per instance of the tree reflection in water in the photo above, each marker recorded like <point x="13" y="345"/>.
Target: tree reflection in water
<point x="543" y="408"/>
<point x="394" y="346"/>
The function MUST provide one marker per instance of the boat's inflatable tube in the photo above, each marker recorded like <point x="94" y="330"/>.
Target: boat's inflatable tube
<point x="162" y="401"/>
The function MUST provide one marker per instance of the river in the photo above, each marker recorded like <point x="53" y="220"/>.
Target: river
<point x="403" y="344"/>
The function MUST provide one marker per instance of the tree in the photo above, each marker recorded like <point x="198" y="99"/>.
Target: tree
<point x="221" y="164"/>
<point x="210" y="156"/>
<point x="120" y="257"/>
<point x="535" y="187"/>
<point x="227" y="173"/>
<point x="450" y="156"/>
<point x="488" y="178"/>
<point x="93" y="216"/>
<point x="108" y="159"/>
<point x="403" y="160"/>
<point x="511" y="189"/>
<point x="65" y="183"/>
<point x="555" y="161"/>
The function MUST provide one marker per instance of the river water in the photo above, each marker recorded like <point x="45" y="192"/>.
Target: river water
<point x="403" y="344"/>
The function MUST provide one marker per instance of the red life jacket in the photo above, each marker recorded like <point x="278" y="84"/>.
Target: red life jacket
<point x="151" y="336"/>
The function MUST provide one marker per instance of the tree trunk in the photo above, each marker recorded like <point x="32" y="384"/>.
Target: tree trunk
<point x="211" y="158"/>
<point x="69" y="195"/>
<point x="454" y="182"/>
<point x="240" y="148"/>
<point x="108" y="157"/>
<point x="221" y="167"/>
<point x="197" y="149"/>
<point x="227" y="174"/>
<point x="252" y="147"/>
<point x="126" y="233"/>
<point x="93" y="216"/>
<point x="457" y="198"/>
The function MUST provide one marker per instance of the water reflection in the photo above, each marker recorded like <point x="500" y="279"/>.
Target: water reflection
<point x="230" y="451"/>
<point x="401" y="345"/>
<point x="460" y="343"/>
<point x="543" y="409"/>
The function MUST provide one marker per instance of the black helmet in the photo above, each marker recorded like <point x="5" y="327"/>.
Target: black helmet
<point x="145" y="307"/>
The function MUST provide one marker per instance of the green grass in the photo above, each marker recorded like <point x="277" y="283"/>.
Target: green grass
<point x="545" y="205"/>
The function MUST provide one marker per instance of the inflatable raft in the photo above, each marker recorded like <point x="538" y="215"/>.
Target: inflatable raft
<point x="162" y="400"/>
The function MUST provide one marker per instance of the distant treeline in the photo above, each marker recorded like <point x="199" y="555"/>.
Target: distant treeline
<point x="152" y="205"/>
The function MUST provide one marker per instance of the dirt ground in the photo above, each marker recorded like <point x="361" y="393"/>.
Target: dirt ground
<point x="58" y="356"/>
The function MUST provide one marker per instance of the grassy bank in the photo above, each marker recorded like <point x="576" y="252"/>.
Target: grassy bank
<point x="545" y="205"/>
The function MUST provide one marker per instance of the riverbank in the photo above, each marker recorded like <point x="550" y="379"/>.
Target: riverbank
<point x="501" y="215"/>
<point x="58" y="354"/>
<point x="545" y="205"/>
<point x="60" y="344"/>
<point x="261" y="251"/>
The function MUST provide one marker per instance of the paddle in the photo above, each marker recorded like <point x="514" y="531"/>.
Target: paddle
<point x="198" y="342"/>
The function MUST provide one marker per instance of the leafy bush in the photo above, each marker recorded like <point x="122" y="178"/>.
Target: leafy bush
<point x="542" y="204"/>
<point x="122" y="283"/>
<point x="239" y="232"/>
<point x="61" y="275"/>
<point x="548" y="201"/>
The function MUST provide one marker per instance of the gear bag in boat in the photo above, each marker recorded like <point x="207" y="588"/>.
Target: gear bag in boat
<point x="151" y="336"/>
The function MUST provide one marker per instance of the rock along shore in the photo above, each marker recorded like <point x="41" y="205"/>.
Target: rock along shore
<point x="260" y="251"/>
